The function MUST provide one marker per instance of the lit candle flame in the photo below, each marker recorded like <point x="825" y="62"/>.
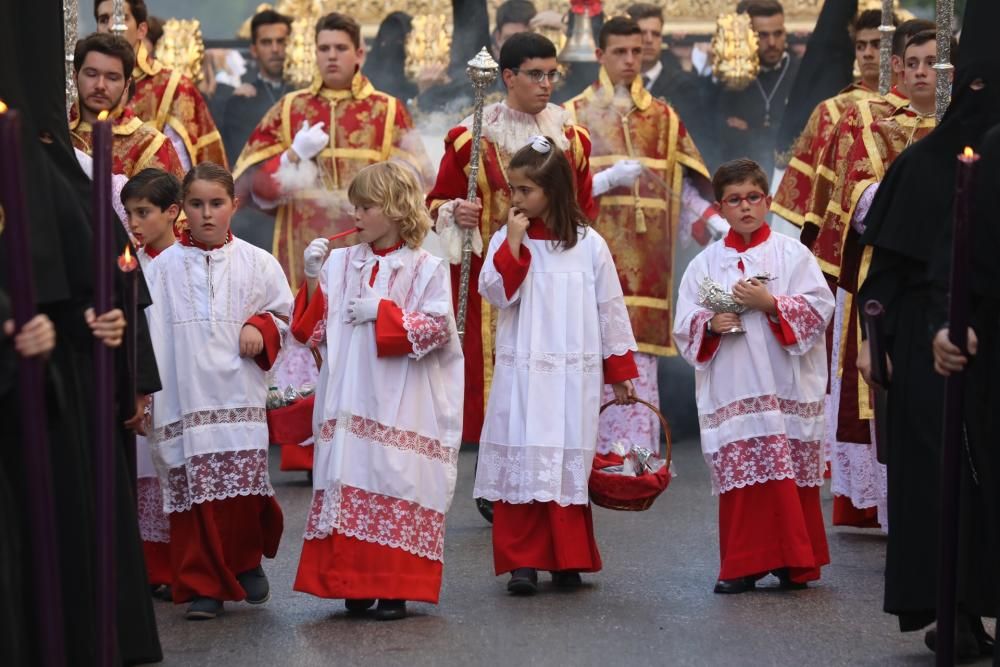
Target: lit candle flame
<point x="103" y="115"/>
<point x="969" y="153"/>
<point x="126" y="261"/>
<point x="128" y="253"/>
<point x="3" y="107"/>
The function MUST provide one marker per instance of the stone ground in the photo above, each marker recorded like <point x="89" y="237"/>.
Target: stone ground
<point x="652" y="605"/>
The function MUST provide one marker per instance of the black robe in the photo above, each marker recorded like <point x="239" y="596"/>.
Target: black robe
<point x="58" y="205"/>
<point x="906" y="225"/>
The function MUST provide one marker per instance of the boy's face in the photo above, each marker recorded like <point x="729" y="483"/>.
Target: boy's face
<point x="621" y="58"/>
<point x="744" y="206"/>
<point x="149" y="223"/>
<point x="337" y="58"/>
<point x="376" y="228"/>
<point x="530" y="87"/>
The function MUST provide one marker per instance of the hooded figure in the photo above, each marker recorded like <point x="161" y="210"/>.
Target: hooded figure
<point x="908" y="224"/>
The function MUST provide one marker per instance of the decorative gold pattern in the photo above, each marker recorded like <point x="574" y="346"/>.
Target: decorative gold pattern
<point x="734" y="49"/>
<point x="181" y="48"/>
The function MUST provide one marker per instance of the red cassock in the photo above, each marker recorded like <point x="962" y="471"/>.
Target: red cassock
<point x="494" y="192"/>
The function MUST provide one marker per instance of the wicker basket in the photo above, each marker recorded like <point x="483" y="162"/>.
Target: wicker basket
<point x="623" y="492"/>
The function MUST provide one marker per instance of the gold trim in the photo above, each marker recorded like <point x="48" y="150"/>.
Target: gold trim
<point x="608" y="160"/>
<point x="647" y="302"/>
<point x="825" y="172"/>
<point x="791" y="216"/>
<point x="691" y="163"/>
<point x="352" y="154"/>
<point x="144" y="65"/>
<point x="842" y="334"/>
<point x="629" y="200"/>
<point x="658" y="350"/>
<point x="177" y="126"/>
<point x="207" y="139"/>
<point x="167" y="100"/>
<point x="254" y="158"/>
<point x="802" y="167"/>
<point x="878" y="166"/>
<point x="486" y="309"/>
<point x="828" y="268"/>
<point x="461" y="140"/>
<point x="389" y="129"/>
<point x="150" y="152"/>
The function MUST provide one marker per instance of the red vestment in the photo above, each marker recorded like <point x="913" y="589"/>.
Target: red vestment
<point x="135" y="145"/>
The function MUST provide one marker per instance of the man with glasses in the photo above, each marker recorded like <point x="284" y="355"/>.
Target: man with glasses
<point x="530" y="71"/>
<point x="641" y="223"/>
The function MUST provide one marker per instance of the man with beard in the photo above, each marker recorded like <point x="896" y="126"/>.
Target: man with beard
<point x="103" y="65"/>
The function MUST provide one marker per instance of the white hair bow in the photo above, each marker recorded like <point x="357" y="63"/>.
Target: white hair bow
<point x="540" y="144"/>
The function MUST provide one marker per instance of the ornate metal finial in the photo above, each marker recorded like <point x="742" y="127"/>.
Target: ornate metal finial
<point x="482" y="69"/>
<point x="886" y="32"/>
<point x="734" y="49"/>
<point x="71" y="27"/>
<point x="945" y="15"/>
<point x="118" y="26"/>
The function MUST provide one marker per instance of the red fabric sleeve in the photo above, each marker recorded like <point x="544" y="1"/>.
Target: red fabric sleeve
<point x="700" y="231"/>
<point x="782" y="330"/>
<point x="513" y="271"/>
<point x="391" y="339"/>
<point x="264" y="323"/>
<point x="621" y="367"/>
<point x="452" y="182"/>
<point x="585" y="178"/>
<point x="709" y="345"/>
<point x="264" y="185"/>
<point x="307" y="313"/>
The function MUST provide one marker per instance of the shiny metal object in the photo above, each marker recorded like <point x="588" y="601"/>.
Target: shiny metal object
<point x="118" y="26"/>
<point x="482" y="72"/>
<point x="886" y="32"/>
<point x="580" y="46"/>
<point x="71" y="27"/>
<point x="945" y="15"/>
<point x="716" y="299"/>
<point x="735" y="60"/>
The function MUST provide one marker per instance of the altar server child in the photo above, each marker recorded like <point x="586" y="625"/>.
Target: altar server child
<point x="388" y="417"/>
<point x="760" y="392"/>
<point x="562" y="332"/>
<point x="220" y="306"/>
<point x="152" y="202"/>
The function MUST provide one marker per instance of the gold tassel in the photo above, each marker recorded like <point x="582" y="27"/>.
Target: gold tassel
<point x="640" y="218"/>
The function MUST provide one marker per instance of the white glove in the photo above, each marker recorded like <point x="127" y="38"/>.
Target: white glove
<point x="718" y="226"/>
<point x="360" y="311"/>
<point x="314" y="256"/>
<point x="309" y="141"/>
<point x="620" y="174"/>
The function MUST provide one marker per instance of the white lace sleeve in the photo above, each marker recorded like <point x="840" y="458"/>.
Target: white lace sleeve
<point x="616" y="327"/>
<point x="452" y="236"/>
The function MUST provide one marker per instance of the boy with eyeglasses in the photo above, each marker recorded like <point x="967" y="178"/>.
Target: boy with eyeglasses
<point x="760" y="382"/>
<point x="530" y="72"/>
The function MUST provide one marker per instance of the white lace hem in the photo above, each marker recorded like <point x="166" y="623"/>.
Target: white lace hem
<point x="154" y="525"/>
<point x="523" y="473"/>
<point x="742" y="463"/>
<point x="548" y="362"/>
<point x="216" y="476"/>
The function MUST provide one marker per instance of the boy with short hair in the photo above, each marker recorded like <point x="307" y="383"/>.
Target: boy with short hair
<point x="760" y="380"/>
<point x="152" y="201"/>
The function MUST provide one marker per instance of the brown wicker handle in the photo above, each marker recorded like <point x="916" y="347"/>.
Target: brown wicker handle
<point x="663" y="423"/>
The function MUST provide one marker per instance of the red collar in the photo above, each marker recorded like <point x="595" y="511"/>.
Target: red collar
<point x="192" y="242"/>
<point x="385" y="251"/>
<point x="538" y="230"/>
<point x="152" y="252"/>
<point x="735" y="240"/>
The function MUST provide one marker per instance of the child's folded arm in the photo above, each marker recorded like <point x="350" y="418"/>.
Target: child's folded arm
<point x="270" y="329"/>
<point x="502" y="275"/>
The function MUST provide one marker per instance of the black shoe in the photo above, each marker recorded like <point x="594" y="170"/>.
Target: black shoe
<point x="567" y="580"/>
<point x="523" y="581"/>
<point x="390" y="610"/>
<point x="971" y="639"/>
<point x="255" y="585"/>
<point x="785" y="580"/>
<point x="735" y="586"/>
<point x="358" y="606"/>
<point x="161" y="592"/>
<point x="203" y="609"/>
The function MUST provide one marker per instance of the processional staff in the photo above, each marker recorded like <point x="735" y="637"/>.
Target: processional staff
<point x="944" y="14"/>
<point x="482" y="71"/>
<point x="886" y="31"/>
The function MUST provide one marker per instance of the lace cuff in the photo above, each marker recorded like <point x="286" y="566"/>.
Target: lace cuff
<point x="426" y="333"/>
<point x="616" y="328"/>
<point x="452" y="236"/>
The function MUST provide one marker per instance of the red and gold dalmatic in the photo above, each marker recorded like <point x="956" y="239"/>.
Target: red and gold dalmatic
<point x="643" y="248"/>
<point x="791" y="201"/>
<point x="365" y="126"/>
<point x="166" y="98"/>
<point x="504" y="129"/>
<point x="135" y="145"/>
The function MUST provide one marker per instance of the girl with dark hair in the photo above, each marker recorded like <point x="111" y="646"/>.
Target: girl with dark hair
<point x="562" y="332"/>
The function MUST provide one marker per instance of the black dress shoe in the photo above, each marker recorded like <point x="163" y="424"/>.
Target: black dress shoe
<point x="735" y="586"/>
<point x="523" y="581"/>
<point x="785" y="580"/>
<point x="567" y="580"/>
<point x="203" y="609"/>
<point x="390" y="610"/>
<point x="255" y="585"/>
<point x="971" y="639"/>
<point x="358" y="606"/>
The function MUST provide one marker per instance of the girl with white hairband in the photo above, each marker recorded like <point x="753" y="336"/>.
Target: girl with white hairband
<point x="563" y="332"/>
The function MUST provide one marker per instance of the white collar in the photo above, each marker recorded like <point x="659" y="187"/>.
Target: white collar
<point x="653" y="73"/>
<point x="512" y="130"/>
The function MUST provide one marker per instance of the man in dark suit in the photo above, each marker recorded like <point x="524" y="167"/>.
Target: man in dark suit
<point x="269" y="32"/>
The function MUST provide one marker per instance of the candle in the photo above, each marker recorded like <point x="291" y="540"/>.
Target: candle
<point x="127" y="264"/>
<point x="104" y="395"/>
<point x="951" y="449"/>
<point x="343" y="234"/>
<point x="31" y="393"/>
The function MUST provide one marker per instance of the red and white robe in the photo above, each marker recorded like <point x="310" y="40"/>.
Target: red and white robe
<point x="209" y="439"/>
<point x="760" y="399"/>
<point x="563" y="331"/>
<point x="387" y="426"/>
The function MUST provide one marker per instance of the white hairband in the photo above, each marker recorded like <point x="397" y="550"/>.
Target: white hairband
<point x="540" y="144"/>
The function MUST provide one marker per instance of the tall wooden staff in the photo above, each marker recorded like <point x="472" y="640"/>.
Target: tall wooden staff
<point x="945" y="16"/>
<point x="954" y="423"/>
<point x="482" y="71"/>
<point x="886" y="32"/>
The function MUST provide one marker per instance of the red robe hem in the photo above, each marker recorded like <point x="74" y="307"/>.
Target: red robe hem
<point x="544" y="536"/>
<point x="341" y="567"/>
<point x="157" y="563"/>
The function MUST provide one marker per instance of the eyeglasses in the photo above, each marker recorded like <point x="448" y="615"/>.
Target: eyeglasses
<point x="734" y="201"/>
<point x="537" y="75"/>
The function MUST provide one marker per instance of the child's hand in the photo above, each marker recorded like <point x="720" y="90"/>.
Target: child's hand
<point x="137" y="422"/>
<point x="624" y="392"/>
<point x="109" y="328"/>
<point x="251" y="341"/>
<point x="724" y="322"/>
<point x="35" y="339"/>
<point x="753" y="294"/>
<point x="517" y="227"/>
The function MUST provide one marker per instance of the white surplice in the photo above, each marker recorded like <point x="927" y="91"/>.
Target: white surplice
<point x="387" y="429"/>
<point x="209" y="438"/>
<point x="553" y="335"/>
<point x="760" y="403"/>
